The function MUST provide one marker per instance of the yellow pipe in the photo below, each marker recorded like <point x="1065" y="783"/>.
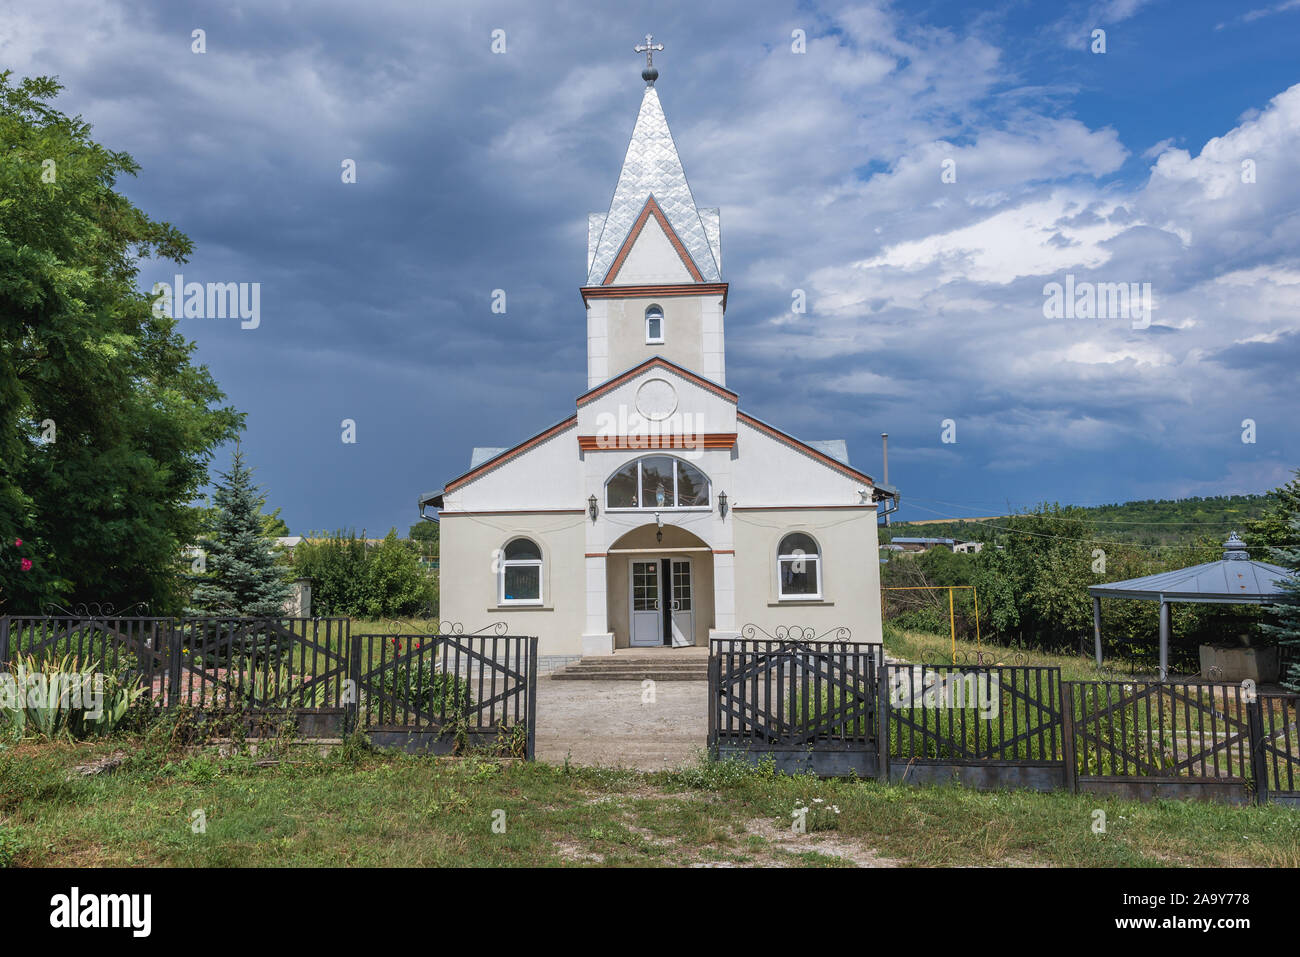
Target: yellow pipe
<point x="952" y="627"/>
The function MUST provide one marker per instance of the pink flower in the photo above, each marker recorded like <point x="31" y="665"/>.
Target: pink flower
<point x="27" y="564"/>
<point x="18" y="542"/>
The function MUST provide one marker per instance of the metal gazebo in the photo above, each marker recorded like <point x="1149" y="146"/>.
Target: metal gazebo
<point x="1236" y="579"/>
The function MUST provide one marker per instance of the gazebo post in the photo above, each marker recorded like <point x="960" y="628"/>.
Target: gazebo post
<point x="1096" y="626"/>
<point x="1164" y="640"/>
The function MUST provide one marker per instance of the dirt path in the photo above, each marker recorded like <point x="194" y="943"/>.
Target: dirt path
<point x="606" y="722"/>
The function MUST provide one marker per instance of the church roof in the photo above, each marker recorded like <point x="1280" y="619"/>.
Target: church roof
<point x="653" y="168"/>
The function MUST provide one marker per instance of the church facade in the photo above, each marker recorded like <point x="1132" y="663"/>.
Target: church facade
<point x="657" y="512"/>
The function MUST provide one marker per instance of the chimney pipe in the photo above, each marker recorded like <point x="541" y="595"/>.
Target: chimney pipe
<point x="884" y="444"/>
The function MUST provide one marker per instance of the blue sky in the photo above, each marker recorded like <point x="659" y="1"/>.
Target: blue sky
<point x="476" y="172"/>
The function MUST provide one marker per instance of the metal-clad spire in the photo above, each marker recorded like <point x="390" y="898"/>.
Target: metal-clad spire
<point x="652" y="168"/>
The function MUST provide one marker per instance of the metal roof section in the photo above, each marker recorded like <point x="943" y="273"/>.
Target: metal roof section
<point x="484" y="453"/>
<point x="595" y="223"/>
<point x="838" y="449"/>
<point x="711" y="217"/>
<point x="652" y="167"/>
<point x="1235" y="578"/>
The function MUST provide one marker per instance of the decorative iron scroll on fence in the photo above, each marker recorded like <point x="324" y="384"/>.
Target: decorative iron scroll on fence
<point x="813" y="707"/>
<point x="434" y="690"/>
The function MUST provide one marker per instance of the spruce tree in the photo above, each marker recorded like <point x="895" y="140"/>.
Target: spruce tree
<point x="1285" y="623"/>
<point x="242" y="577"/>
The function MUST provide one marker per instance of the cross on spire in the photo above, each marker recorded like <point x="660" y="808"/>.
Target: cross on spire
<point x="649" y="74"/>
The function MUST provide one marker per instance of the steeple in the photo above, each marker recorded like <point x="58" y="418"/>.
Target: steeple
<point x="652" y="169"/>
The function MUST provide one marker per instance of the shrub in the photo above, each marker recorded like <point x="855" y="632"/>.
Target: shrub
<point x="54" y="697"/>
<point x="351" y="578"/>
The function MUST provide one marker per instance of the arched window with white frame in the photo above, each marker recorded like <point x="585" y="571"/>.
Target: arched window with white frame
<point x="519" y="581"/>
<point x="654" y="325"/>
<point x="656" y="482"/>
<point x="798" y="567"/>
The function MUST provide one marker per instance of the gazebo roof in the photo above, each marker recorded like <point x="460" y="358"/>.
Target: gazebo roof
<point x="1234" y="579"/>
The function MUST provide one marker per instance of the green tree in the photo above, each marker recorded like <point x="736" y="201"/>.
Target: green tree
<point x="243" y="577"/>
<point x="106" y="428"/>
<point x="425" y="534"/>
<point x="352" y="578"/>
<point x="1284" y="617"/>
<point x="396" y="584"/>
<point x="1274" y="528"/>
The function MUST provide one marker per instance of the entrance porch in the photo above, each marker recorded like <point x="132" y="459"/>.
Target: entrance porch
<point x="655" y="588"/>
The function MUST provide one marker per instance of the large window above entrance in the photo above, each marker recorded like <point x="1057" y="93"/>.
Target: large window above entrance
<point x="657" y="482"/>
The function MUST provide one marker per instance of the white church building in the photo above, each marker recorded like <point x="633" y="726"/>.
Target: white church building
<point x="657" y="512"/>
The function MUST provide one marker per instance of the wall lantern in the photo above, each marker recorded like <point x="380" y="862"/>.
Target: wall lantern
<point x="659" y="535"/>
<point x="592" y="509"/>
<point x="722" y="504"/>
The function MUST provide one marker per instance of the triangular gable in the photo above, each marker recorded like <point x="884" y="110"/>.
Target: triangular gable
<point x="609" y="385"/>
<point x="804" y="447"/>
<point x="513" y="452"/>
<point x="651" y="208"/>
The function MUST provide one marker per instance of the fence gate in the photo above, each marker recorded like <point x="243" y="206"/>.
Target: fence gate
<point x="443" y="693"/>
<point x="1145" y="739"/>
<point x="809" y="706"/>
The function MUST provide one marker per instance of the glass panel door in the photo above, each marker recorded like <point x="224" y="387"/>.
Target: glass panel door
<point x="646" y="604"/>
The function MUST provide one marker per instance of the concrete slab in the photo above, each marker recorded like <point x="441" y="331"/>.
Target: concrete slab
<point x="608" y="723"/>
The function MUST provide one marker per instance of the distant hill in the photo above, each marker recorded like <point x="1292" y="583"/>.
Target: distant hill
<point x="1150" y="522"/>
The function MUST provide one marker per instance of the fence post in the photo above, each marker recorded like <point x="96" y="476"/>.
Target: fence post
<point x="4" y="639"/>
<point x="352" y="703"/>
<point x="1258" y="760"/>
<point x="531" y="747"/>
<point x="1067" y="737"/>
<point x="882" y="723"/>
<point x="715" y="675"/>
<point x="174" y="637"/>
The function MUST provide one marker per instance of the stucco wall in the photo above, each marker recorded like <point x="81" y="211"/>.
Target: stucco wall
<point x="469" y="545"/>
<point x="693" y="335"/>
<point x="850" y="570"/>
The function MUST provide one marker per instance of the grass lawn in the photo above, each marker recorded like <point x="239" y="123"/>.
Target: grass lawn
<point x="361" y="808"/>
<point x="918" y="646"/>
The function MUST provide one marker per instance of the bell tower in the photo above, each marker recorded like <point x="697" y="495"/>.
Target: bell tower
<point x="654" y="259"/>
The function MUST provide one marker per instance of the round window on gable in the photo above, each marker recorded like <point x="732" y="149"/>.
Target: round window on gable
<point x="654" y="324"/>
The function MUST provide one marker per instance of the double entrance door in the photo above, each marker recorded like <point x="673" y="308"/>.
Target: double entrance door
<point x="663" y="606"/>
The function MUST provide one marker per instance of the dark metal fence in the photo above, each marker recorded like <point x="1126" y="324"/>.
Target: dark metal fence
<point x="131" y="649"/>
<point x="1278" y="755"/>
<point x="806" y="705"/>
<point x="443" y="692"/>
<point x="428" y="692"/>
<point x="989" y="726"/>
<point x="1152" y="738"/>
<point x="820" y="708"/>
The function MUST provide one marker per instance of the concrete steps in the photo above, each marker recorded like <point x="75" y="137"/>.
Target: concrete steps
<point x="656" y="667"/>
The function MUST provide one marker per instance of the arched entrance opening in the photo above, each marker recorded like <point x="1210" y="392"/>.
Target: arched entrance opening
<point x="659" y="588"/>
